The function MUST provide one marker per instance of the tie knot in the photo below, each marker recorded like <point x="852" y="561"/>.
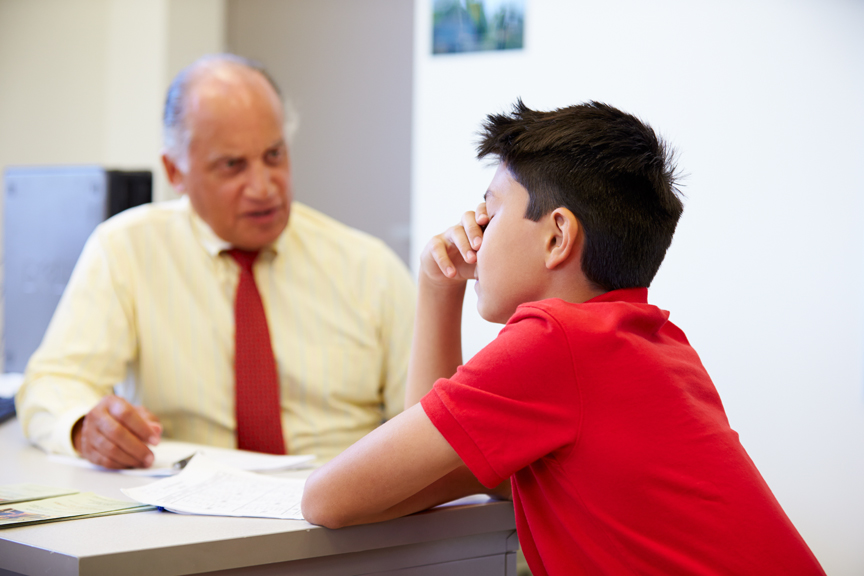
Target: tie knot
<point x="245" y="258"/>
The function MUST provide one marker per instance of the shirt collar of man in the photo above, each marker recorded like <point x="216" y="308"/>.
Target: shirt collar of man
<point x="213" y="244"/>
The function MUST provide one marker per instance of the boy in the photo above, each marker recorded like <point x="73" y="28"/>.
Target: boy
<point x="590" y="401"/>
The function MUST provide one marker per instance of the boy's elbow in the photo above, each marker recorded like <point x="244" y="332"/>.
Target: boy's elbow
<point x="317" y="509"/>
<point x="321" y="516"/>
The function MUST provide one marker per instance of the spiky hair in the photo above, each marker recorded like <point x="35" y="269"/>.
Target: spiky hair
<point x="608" y="168"/>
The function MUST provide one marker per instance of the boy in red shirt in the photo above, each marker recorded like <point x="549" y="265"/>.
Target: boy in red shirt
<point x="589" y="403"/>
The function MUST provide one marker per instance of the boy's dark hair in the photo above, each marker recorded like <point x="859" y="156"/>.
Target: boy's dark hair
<point x="605" y="166"/>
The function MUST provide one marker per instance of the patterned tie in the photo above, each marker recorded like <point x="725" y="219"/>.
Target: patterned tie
<point x="259" y="414"/>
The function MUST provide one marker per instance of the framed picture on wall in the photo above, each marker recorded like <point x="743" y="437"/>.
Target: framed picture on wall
<point x="476" y="25"/>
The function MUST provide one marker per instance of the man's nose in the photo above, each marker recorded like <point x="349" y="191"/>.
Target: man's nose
<point x="259" y="184"/>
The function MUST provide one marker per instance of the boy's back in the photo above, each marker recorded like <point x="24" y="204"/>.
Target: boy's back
<point x="621" y="455"/>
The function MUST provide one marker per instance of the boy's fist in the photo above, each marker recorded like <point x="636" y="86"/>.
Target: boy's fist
<point x="450" y="257"/>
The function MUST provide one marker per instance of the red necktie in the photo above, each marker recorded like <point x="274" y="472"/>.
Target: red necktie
<point x="256" y="390"/>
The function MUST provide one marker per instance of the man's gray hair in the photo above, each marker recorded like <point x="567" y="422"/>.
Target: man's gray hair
<point x="176" y="134"/>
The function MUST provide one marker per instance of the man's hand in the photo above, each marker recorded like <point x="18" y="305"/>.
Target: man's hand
<point x="450" y="257"/>
<point x="115" y="434"/>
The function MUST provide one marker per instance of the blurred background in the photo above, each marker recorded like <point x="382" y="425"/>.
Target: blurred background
<point x="763" y="101"/>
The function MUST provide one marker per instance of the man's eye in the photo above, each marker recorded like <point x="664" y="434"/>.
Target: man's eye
<point x="274" y="155"/>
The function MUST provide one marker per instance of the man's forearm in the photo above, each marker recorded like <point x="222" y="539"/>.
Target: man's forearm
<point x="436" y="349"/>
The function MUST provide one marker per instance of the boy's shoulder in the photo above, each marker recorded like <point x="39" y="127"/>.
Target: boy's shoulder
<point x="615" y="310"/>
<point x="605" y="327"/>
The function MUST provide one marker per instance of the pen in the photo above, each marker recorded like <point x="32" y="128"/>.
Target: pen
<point x="181" y="464"/>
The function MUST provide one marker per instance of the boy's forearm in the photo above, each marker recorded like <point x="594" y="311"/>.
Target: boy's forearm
<point x="402" y="467"/>
<point x="457" y="484"/>
<point x="436" y="349"/>
<point x="383" y="475"/>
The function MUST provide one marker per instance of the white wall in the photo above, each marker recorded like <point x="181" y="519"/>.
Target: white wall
<point x="765" y="104"/>
<point x="83" y="81"/>
<point x="52" y="81"/>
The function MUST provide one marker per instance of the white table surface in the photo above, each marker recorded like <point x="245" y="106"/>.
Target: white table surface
<point x="472" y="538"/>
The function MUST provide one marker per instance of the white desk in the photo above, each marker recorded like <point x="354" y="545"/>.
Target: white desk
<point x="471" y="540"/>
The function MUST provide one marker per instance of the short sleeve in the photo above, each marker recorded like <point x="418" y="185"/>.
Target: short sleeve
<point x="513" y="403"/>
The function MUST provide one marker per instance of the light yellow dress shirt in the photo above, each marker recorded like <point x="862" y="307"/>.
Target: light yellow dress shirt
<point x="151" y="303"/>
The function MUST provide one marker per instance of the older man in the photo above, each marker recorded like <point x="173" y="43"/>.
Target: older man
<point x="323" y="313"/>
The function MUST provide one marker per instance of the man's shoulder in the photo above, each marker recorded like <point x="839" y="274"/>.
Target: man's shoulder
<point x="328" y="234"/>
<point x="308" y="220"/>
<point x="146" y="218"/>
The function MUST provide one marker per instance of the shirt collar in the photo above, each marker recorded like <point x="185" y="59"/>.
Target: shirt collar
<point x="211" y="242"/>
<point x="634" y="295"/>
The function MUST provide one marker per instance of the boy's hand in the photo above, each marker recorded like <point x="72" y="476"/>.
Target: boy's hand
<point x="447" y="262"/>
<point x="449" y="258"/>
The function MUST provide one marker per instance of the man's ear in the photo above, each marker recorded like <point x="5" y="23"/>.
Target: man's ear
<point x="565" y="237"/>
<point x="175" y="176"/>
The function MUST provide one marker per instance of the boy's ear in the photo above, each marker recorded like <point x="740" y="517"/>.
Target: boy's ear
<point x="565" y="237"/>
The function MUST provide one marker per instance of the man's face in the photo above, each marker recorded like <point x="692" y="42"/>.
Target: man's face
<point x="238" y="174"/>
<point x="511" y="267"/>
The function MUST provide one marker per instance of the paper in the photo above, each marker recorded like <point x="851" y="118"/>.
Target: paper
<point x="11" y="493"/>
<point x="167" y="452"/>
<point x="10" y="382"/>
<point x="75" y="506"/>
<point x="209" y="487"/>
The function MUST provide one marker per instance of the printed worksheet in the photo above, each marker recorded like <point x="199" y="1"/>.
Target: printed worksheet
<point x="209" y="487"/>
